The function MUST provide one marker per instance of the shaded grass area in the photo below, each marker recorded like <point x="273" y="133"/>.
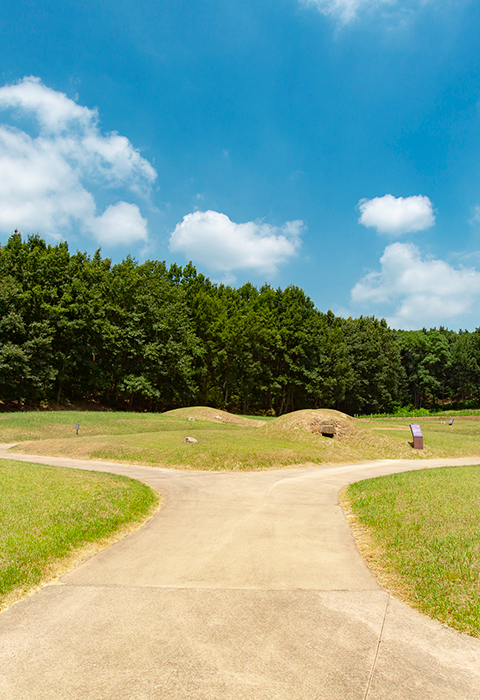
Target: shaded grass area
<point x="47" y="513"/>
<point x="420" y="532"/>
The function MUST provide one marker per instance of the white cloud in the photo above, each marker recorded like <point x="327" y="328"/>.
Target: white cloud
<point x="347" y="10"/>
<point x="423" y="292"/>
<point x="48" y="175"/>
<point x="396" y="215"/>
<point x="120" y="224"/>
<point x="212" y="240"/>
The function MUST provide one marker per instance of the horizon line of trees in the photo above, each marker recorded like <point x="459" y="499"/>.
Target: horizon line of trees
<point x="148" y="336"/>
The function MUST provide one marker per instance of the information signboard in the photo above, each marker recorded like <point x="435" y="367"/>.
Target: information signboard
<point x="417" y="436"/>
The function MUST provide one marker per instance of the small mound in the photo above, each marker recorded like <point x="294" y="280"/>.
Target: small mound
<point x="214" y="415"/>
<point x="319" y="422"/>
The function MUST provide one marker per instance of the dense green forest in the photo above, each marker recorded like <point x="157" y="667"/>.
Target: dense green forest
<point x="148" y="336"/>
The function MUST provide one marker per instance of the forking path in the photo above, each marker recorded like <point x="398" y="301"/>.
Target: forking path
<point x="243" y="586"/>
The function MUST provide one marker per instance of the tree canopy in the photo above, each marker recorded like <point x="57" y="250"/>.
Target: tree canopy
<point x="155" y="337"/>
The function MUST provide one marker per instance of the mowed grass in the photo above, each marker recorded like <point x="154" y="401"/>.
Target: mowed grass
<point x="158" y="440"/>
<point x="219" y="447"/>
<point x="420" y="532"/>
<point x="33" y="425"/>
<point x="440" y="439"/>
<point x="48" y="515"/>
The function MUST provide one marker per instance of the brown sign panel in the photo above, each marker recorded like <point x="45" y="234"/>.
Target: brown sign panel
<point x="417" y="436"/>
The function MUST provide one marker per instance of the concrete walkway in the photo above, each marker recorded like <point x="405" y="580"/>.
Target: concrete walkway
<point x="244" y="586"/>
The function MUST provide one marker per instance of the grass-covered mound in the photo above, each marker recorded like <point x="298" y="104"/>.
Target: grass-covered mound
<point x="227" y="441"/>
<point x="53" y="518"/>
<point x="419" y="531"/>
<point x="315" y="421"/>
<point x="214" y="415"/>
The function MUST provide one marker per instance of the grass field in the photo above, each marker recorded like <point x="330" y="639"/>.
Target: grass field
<point x="158" y="439"/>
<point x="440" y="439"/>
<point x="420" y="532"/>
<point x="52" y="518"/>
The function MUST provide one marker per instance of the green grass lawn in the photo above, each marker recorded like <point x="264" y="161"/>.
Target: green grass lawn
<point x="420" y="532"/>
<point x="158" y="440"/>
<point x="49" y="514"/>
<point x="220" y="447"/>
<point x="424" y="525"/>
<point x="41" y="425"/>
<point x="440" y="439"/>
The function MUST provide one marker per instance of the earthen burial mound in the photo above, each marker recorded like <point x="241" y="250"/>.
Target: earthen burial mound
<point x="214" y="415"/>
<point x="317" y="422"/>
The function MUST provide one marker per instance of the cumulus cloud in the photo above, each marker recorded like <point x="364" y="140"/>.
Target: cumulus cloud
<point x="396" y="215"/>
<point x="120" y="223"/>
<point x="212" y="240"/>
<point x="423" y="292"/>
<point x="49" y="172"/>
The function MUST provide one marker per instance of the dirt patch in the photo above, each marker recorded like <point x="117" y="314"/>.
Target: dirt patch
<point x="318" y="422"/>
<point x="214" y="415"/>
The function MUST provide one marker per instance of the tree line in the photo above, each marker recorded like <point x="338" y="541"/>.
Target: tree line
<point x="149" y="336"/>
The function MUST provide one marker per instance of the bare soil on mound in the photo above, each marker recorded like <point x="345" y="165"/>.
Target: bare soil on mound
<point x="313" y="421"/>
<point x="214" y="415"/>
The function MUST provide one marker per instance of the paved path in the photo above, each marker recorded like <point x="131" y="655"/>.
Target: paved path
<point x="244" y="586"/>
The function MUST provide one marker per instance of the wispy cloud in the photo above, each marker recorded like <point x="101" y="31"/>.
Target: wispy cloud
<point x="476" y="215"/>
<point x="212" y="240"/>
<point x="51" y="170"/>
<point x="347" y="10"/>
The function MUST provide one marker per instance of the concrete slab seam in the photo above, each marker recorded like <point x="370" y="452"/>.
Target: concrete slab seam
<point x="374" y="663"/>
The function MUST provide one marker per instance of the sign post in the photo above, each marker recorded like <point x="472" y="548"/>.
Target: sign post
<point x="417" y="436"/>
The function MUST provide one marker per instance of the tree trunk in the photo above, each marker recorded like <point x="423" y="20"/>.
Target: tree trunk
<point x="225" y="403"/>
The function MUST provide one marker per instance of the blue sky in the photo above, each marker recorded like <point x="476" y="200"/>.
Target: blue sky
<point x="331" y="144"/>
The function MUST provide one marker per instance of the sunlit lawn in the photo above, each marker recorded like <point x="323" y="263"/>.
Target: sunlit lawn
<point x="158" y="440"/>
<point x="440" y="439"/>
<point x="49" y="513"/>
<point x="423" y="539"/>
<point x="425" y="532"/>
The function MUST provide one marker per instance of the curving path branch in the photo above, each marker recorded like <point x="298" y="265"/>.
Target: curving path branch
<point x="244" y="586"/>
